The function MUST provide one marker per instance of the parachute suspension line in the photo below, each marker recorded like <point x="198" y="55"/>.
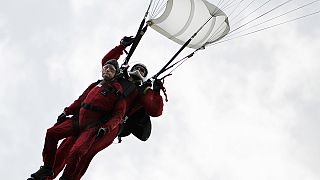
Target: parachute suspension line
<point x="218" y="30"/>
<point x="216" y="9"/>
<point x="237" y="6"/>
<point x="212" y="37"/>
<point x="251" y="12"/>
<point x="225" y="5"/>
<point x="138" y="36"/>
<point x="230" y="5"/>
<point x="268" y="27"/>
<point x="219" y="3"/>
<point x="278" y="6"/>
<point x="273" y="18"/>
<point x="147" y="12"/>
<point x="157" y="8"/>
<point x="231" y="35"/>
<point x="168" y="63"/>
<point x="154" y="8"/>
<point x="180" y="62"/>
<point x="184" y="59"/>
<point x="241" y="11"/>
<point x="179" y="51"/>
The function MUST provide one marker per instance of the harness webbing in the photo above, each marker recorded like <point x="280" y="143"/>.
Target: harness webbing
<point x="91" y="107"/>
<point x="106" y="115"/>
<point x="141" y="30"/>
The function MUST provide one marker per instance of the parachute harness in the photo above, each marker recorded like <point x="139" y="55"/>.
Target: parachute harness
<point x="163" y="89"/>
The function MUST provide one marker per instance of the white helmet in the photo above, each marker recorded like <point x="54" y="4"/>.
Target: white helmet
<point x="139" y="71"/>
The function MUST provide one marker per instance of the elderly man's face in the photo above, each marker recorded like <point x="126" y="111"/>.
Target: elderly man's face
<point x="108" y="72"/>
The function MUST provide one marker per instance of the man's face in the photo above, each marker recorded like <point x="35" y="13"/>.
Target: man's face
<point x="140" y="69"/>
<point x="108" y="72"/>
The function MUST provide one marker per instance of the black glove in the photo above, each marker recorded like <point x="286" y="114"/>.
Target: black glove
<point x="157" y="85"/>
<point x="147" y="83"/>
<point x="127" y="41"/>
<point x="144" y="86"/>
<point x="62" y="117"/>
<point x="101" y="132"/>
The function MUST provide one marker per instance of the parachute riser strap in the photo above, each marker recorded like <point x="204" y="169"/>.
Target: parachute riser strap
<point x="183" y="46"/>
<point x="181" y="61"/>
<point x="170" y="61"/>
<point x="139" y="34"/>
<point x="135" y="43"/>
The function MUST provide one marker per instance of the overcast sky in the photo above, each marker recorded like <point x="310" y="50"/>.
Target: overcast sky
<point x="247" y="109"/>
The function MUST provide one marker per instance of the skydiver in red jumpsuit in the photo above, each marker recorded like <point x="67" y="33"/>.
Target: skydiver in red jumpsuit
<point x="99" y="109"/>
<point x="141" y="103"/>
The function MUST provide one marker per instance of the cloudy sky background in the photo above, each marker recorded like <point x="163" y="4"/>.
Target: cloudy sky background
<point x="246" y="109"/>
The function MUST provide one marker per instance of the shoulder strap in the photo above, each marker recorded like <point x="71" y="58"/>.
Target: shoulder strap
<point x="128" y="87"/>
<point x="108" y="88"/>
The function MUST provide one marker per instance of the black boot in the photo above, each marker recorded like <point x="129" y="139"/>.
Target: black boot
<point x="63" y="178"/>
<point x="42" y="173"/>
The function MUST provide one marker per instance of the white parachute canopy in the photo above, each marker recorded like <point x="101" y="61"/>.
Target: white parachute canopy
<point x="181" y="19"/>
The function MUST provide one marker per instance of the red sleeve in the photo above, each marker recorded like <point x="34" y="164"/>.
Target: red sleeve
<point x="117" y="115"/>
<point x="74" y="108"/>
<point x="152" y="102"/>
<point x="115" y="53"/>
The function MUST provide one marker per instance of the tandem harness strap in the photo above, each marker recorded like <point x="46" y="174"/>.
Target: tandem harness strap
<point x="103" y="119"/>
<point x="91" y="107"/>
<point x="106" y="115"/>
<point x="108" y="89"/>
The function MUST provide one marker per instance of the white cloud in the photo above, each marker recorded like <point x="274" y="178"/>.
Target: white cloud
<point x="244" y="109"/>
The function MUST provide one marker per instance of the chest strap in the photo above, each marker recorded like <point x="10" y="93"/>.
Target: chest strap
<point x="107" y="115"/>
<point x="107" y="88"/>
<point x="91" y="107"/>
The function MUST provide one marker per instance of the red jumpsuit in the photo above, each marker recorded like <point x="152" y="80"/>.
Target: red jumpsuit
<point x="153" y="104"/>
<point x="151" y="101"/>
<point x="107" y="103"/>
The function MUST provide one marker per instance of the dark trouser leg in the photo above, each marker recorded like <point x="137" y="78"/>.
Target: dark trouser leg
<point x="62" y="154"/>
<point x="79" y="149"/>
<point x="53" y="135"/>
<point x="98" y="146"/>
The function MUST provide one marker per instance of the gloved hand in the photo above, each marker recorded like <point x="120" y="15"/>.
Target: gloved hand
<point x="101" y="132"/>
<point x="127" y="41"/>
<point x="145" y="85"/>
<point x="62" y="117"/>
<point x="157" y="85"/>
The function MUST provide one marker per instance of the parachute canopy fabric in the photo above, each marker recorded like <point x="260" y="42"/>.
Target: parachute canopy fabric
<point x="181" y="19"/>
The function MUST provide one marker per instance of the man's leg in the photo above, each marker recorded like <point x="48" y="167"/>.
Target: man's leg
<point x="62" y="154"/>
<point x="98" y="146"/>
<point x="53" y="135"/>
<point x="78" y="151"/>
